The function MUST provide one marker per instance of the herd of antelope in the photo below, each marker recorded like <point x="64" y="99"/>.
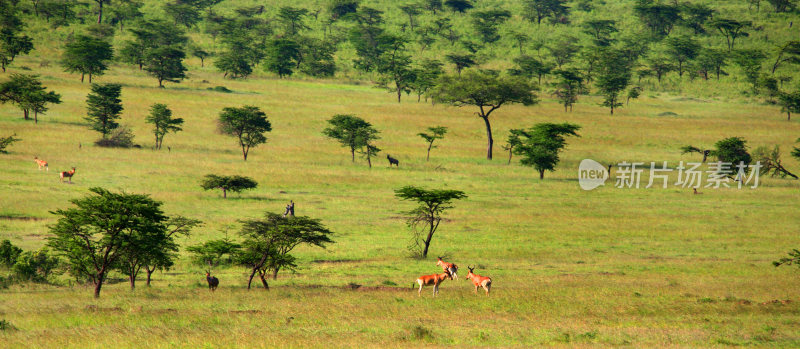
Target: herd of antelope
<point x="66" y="174"/>
<point x="450" y="270"/>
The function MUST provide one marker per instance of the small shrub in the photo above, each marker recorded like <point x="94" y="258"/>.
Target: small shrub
<point x="35" y="266"/>
<point x="7" y="141"/>
<point x="419" y="332"/>
<point x="8" y="253"/>
<point x="389" y="283"/>
<point x="122" y="137"/>
<point x="6" y="326"/>
<point x="222" y="89"/>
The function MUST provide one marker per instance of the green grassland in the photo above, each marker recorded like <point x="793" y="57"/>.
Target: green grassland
<point x="646" y="267"/>
<point x="571" y="268"/>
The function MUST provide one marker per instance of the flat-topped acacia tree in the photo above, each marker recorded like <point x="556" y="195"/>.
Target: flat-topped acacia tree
<point x="355" y="133"/>
<point x="425" y="218"/>
<point x="247" y="123"/>
<point x="486" y="90"/>
<point x="228" y="183"/>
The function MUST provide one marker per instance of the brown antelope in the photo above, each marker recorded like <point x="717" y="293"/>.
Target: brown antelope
<point x="67" y="174"/>
<point x="41" y="164"/>
<point x="433" y="279"/>
<point x="448" y="267"/>
<point x="477" y="280"/>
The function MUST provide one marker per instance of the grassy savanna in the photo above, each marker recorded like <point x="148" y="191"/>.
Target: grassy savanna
<point x="637" y="267"/>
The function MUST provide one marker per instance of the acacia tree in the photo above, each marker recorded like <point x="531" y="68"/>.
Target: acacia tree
<point x="247" y="123"/>
<point x="162" y="258"/>
<point x="268" y="242"/>
<point x="233" y="183"/>
<point x="514" y="140"/>
<point x="682" y="49"/>
<point x="613" y="77"/>
<point x="486" y="91"/>
<point x="568" y="88"/>
<point x="436" y="132"/>
<point x="731" y="29"/>
<point x="104" y="107"/>
<point x="7" y="141"/>
<point x="486" y="22"/>
<point x="461" y="61"/>
<point x="284" y="56"/>
<point x="12" y="41"/>
<point x="425" y="218"/>
<point x="93" y="235"/>
<point x="394" y="65"/>
<point x="163" y="122"/>
<point x="790" y="103"/>
<point x="213" y="253"/>
<point x="158" y="48"/>
<point x="350" y="131"/>
<point x="541" y="144"/>
<point x="28" y="94"/>
<point x="87" y="55"/>
<point x="537" y="10"/>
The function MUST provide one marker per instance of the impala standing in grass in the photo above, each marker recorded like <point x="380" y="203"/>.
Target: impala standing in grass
<point x="482" y="281"/>
<point x="41" y="163"/>
<point x="451" y="268"/>
<point x="66" y="174"/>
<point x="433" y="279"/>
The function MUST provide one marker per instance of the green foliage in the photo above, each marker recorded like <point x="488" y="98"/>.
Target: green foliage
<point x="732" y="150"/>
<point x="461" y="61"/>
<point x="317" y="58"/>
<point x="158" y="48"/>
<point x="93" y="235"/>
<point x="8" y="253"/>
<point x="233" y="183"/>
<point x="12" y="42"/>
<point x="163" y="122"/>
<point x="783" y="5"/>
<point x="790" y="103"/>
<point x="537" y="10"/>
<point x="87" y="55"/>
<point x="353" y="132"/>
<point x="436" y="132"/>
<point x="731" y="29"/>
<point x="486" y="22"/>
<point x="104" y="107"/>
<point x="530" y="67"/>
<point x="35" y="266"/>
<point x="394" y="65"/>
<point x="514" y="139"/>
<point x="28" y="94"/>
<point x="568" y="87"/>
<point x="5" y="142"/>
<point x="120" y="137"/>
<point x="426" y="77"/>
<point x="214" y="253"/>
<point x="787" y="53"/>
<point x="613" y="77"/>
<point x="486" y="91"/>
<point x="750" y="61"/>
<point x="794" y="258"/>
<point x="541" y="144"/>
<point x="796" y="150"/>
<point x="283" y="57"/>
<point x="292" y="19"/>
<point x="659" y="18"/>
<point x="425" y="218"/>
<point x="458" y="5"/>
<point x="268" y="242"/>
<point x="682" y="49"/>
<point x="248" y="124"/>
<point x="341" y="8"/>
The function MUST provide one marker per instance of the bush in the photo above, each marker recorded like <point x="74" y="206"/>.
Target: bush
<point x="121" y="137"/>
<point x="8" y="253"/>
<point x="35" y="266"/>
<point x="219" y="89"/>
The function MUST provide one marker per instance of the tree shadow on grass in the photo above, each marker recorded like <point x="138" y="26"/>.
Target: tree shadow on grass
<point x="252" y="198"/>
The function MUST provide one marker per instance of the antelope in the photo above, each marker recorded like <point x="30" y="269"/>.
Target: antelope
<point x="213" y="282"/>
<point x="696" y="192"/>
<point x="433" y="279"/>
<point x="392" y="161"/>
<point x="448" y="267"/>
<point x="67" y="174"/>
<point x="477" y="280"/>
<point x="41" y="163"/>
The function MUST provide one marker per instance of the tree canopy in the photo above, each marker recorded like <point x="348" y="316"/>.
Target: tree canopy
<point x="248" y="124"/>
<point x="425" y="218"/>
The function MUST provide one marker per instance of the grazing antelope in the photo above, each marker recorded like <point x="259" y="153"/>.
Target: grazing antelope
<point x="433" y="279"/>
<point x="41" y="164"/>
<point x="213" y="282"/>
<point x="392" y="161"/>
<point x="696" y="192"/>
<point x="451" y="268"/>
<point x="477" y="280"/>
<point x="68" y="174"/>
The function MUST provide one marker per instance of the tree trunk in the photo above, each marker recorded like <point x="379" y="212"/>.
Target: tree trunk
<point x="132" y="279"/>
<point x="250" y="279"/>
<point x="264" y="281"/>
<point x="489" y="137"/>
<point x="25" y="112"/>
<point x="149" y="274"/>
<point x="244" y="152"/>
<point x="82" y="74"/>
<point x="399" y="92"/>
<point x="35" y="117"/>
<point x="788" y="116"/>
<point x="100" y="12"/>
<point x="275" y="274"/>
<point x="353" y="154"/>
<point x="98" y="284"/>
<point x="369" y="161"/>
<point x="90" y="78"/>
<point x="428" y="158"/>
<point x="509" y="155"/>
<point x="431" y="230"/>
<point x="224" y="193"/>
<point x="541" y="174"/>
